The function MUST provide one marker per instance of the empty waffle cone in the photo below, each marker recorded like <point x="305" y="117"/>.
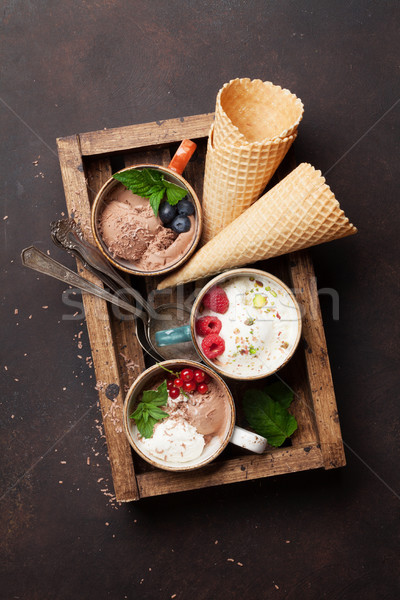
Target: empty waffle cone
<point x="299" y="212"/>
<point x="254" y="111"/>
<point x="234" y="178"/>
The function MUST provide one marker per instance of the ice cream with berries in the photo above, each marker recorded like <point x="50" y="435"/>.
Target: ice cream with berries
<point x="195" y="422"/>
<point x="138" y="239"/>
<point x="247" y="326"/>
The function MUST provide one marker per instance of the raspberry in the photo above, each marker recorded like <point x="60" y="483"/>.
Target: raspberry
<point x="213" y="345"/>
<point x="207" y="325"/>
<point x="216" y="300"/>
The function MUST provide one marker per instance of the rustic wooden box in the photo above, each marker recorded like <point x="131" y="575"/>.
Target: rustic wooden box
<point x="87" y="161"/>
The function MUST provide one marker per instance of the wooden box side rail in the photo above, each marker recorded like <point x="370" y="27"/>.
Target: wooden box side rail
<point x="317" y="360"/>
<point x="276" y="462"/>
<point x="145" y="134"/>
<point x="100" y="335"/>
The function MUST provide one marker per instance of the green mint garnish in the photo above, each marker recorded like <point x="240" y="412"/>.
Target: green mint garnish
<point x="253" y="350"/>
<point x="148" y="411"/>
<point x="151" y="184"/>
<point x="267" y="412"/>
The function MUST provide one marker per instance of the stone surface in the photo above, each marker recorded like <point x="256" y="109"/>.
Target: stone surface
<point x="81" y="66"/>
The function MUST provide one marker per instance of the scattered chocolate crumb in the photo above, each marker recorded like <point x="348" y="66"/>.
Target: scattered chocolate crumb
<point x="100" y="385"/>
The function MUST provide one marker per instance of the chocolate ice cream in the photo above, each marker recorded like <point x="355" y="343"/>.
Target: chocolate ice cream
<point x="132" y="232"/>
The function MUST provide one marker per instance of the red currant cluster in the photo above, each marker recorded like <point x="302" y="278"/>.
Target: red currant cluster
<point x="189" y="381"/>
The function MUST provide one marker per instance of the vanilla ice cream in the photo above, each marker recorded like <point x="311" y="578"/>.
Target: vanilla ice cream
<point x="175" y="440"/>
<point x="260" y="327"/>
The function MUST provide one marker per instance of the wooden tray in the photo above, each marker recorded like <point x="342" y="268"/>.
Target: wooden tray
<point x="87" y="161"/>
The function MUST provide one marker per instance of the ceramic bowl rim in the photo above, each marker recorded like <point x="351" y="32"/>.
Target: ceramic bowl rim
<point x="97" y="205"/>
<point x="227" y="275"/>
<point x="174" y="363"/>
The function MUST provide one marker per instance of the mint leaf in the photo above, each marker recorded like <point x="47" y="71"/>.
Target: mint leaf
<point x="138" y="412"/>
<point x="174" y="192"/>
<point x="157" y="413"/>
<point x="146" y="428"/>
<point x="155" y="200"/>
<point x="134" y="181"/>
<point x="268" y="417"/>
<point x="158" y="397"/>
<point x="151" y="176"/>
<point x="280" y="393"/>
<point x="151" y="184"/>
<point x="147" y="412"/>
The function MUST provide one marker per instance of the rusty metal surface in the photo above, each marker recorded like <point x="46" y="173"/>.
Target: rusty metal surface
<point x="82" y="66"/>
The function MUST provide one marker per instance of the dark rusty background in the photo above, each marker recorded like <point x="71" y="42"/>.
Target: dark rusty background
<point x="72" y="66"/>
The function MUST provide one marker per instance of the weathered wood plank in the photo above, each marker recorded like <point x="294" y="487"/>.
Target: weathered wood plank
<point x="100" y="335"/>
<point x="128" y="350"/>
<point x="302" y="406"/>
<point x="145" y="134"/>
<point x="317" y="360"/>
<point x="276" y="462"/>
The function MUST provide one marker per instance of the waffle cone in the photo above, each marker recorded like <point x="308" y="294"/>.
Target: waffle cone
<point x="299" y="212"/>
<point x="234" y="178"/>
<point x="254" y="111"/>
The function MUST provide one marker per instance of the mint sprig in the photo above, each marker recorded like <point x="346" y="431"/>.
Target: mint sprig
<point x="267" y="412"/>
<point x="151" y="184"/>
<point x="148" y="411"/>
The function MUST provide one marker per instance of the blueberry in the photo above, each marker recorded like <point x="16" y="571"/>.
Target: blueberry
<point x="166" y="212"/>
<point x="180" y="224"/>
<point x="185" y="207"/>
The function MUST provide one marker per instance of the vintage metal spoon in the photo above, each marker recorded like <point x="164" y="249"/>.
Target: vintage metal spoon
<point x="67" y="234"/>
<point x="35" y="259"/>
